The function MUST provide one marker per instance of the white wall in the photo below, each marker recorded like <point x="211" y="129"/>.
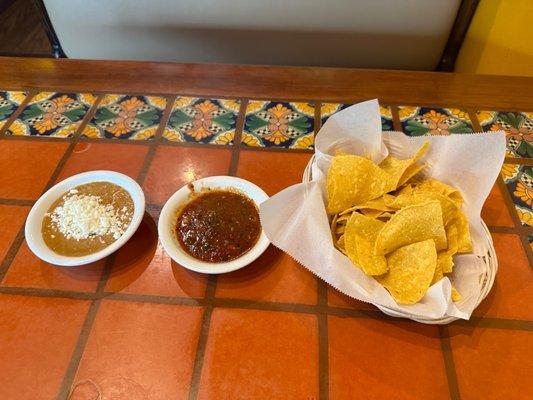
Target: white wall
<point x="352" y="33"/>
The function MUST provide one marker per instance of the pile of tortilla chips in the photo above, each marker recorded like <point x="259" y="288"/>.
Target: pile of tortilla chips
<point x="397" y="227"/>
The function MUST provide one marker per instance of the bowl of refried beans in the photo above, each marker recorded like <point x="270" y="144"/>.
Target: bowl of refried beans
<point x="85" y="218"/>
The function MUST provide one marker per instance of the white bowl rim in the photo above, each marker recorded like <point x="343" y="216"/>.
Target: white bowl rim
<point x="168" y="215"/>
<point x="35" y="216"/>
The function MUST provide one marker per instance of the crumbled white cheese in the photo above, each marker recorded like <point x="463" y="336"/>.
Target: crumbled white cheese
<point x="84" y="216"/>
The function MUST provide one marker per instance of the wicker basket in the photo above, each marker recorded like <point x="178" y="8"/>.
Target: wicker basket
<point x="489" y="260"/>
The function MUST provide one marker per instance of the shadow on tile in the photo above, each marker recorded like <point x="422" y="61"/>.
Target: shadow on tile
<point x="135" y="256"/>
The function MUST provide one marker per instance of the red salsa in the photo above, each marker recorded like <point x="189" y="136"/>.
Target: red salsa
<point x="218" y="226"/>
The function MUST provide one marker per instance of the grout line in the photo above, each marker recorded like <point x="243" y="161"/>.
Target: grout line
<point x="236" y="148"/>
<point x="154" y="142"/>
<point x="210" y="301"/>
<point x="475" y="122"/>
<point x="509" y="202"/>
<point x="503" y="229"/>
<point x="527" y="247"/>
<point x="202" y="339"/>
<point x="17" y="202"/>
<point x="68" y="378"/>
<point x="88" y="116"/>
<point x="39" y="292"/>
<point x="278" y="150"/>
<point x="323" y="341"/>
<point x="11" y="253"/>
<point x="396" y="123"/>
<point x="162" y="142"/>
<point x="165" y="117"/>
<point x="16" y="113"/>
<point x="200" y="353"/>
<point x="521" y="161"/>
<point x="318" y="116"/>
<point x="449" y="365"/>
<point x="496" y="323"/>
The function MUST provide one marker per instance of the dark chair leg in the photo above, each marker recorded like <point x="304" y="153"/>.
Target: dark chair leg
<point x="57" y="50"/>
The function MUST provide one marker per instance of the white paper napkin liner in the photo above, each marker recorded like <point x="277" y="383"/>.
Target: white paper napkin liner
<point x="295" y="219"/>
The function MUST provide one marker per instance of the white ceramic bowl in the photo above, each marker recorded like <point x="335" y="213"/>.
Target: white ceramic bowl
<point x="33" y="233"/>
<point x="168" y="217"/>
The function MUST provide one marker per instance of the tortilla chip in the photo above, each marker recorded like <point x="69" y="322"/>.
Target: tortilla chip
<point x="437" y="275"/>
<point x="342" y="218"/>
<point x="464" y="241"/>
<point x="376" y="204"/>
<point x="434" y="185"/>
<point x="411" y="270"/>
<point x="444" y="262"/>
<point x="360" y="235"/>
<point x="449" y="208"/>
<point x="456" y="296"/>
<point x="372" y="213"/>
<point x="398" y="169"/>
<point x="353" y="180"/>
<point x="410" y="225"/>
<point x="410" y="173"/>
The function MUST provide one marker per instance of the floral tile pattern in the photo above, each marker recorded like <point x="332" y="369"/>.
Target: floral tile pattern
<point x="275" y="124"/>
<point x="202" y="121"/>
<point x="518" y="127"/>
<point x="419" y="121"/>
<point x="328" y="109"/>
<point x="52" y="114"/>
<point x="9" y="102"/>
<point x="519" y="181"/>
<point x="126" y="117"/>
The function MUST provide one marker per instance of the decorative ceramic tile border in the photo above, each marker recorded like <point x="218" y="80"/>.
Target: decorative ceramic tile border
<point x="200" y="120"/>
<point x="328" y="109"/>
<point x="518" y="127"/>
<point x="419" y="121"/>
<point x="50" y="114"/>
<point x="519" y="181"/>
<point x="9" y="102"/>
<point x="126" y="117"/>
<point x="279" y="124"/>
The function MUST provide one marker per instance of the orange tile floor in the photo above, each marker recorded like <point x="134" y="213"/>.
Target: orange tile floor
<point x="138" y="326"/>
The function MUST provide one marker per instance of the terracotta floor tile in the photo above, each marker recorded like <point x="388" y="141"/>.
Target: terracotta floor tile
<point x="377" y="359"/>
<point x="338" y="299"/>
<point x="172" y="167"/>
<point x="27" y="166"/>
<point x="36" y="345"/>
<point x="495" y="212"/>
<point x="11" y="220"/>
<point x="272" y="171"/>
<point x="27" y="270"/>
<point x="512" y="293"/>
<point x="272" y="277"/>
<point x="143" y="267"/>
<point x="492" y="363"/>
<point x="125" y="158"/>
<point x="141" y="351"/>
<point x="260" y="355"/>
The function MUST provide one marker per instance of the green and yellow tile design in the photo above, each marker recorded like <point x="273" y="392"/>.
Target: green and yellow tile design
<point x="420" y="121"/>
<point x="328" y="109"/>
<point x="9" y="102"/>
<point x="50" y="114"/>
<point x="279" y="124"/>
<point x="519" y="181"/>
<point x="126" y="117"/>
<point x="518" y="127"/>
<point x="199" y="120"/>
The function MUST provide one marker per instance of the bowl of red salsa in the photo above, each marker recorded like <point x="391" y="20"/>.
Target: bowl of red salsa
<point x="212" y="225"/>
